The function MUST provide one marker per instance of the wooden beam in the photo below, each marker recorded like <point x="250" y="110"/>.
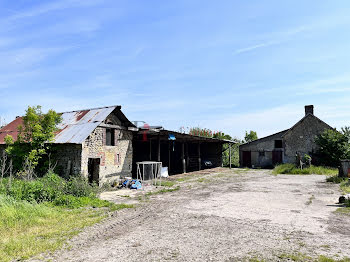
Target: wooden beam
<point x="230" y="155"/>
<point x="158" y="151"/>
<point x="113" y="126"/>
<point x="169" y="155"/>
<point x="183" y="158"/>
<point x="199" y="157"/>
<point x="150" y="150"/>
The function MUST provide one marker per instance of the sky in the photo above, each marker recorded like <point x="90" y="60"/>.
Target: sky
<point x="228" y="66"/>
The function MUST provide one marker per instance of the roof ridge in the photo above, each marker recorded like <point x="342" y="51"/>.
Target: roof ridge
<point x="90" y="109"/>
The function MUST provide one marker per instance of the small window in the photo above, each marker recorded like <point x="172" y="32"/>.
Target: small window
<point x="261" y="153"/>
<point x="278" y="144"/>
<point x="109" y="137"/>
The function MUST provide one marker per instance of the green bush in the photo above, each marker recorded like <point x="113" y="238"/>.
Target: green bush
<point x="336" y="179"/>
<point x="52" y="188"/>
<point x="294" y="170"/>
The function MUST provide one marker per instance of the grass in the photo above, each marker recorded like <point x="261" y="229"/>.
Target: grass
<point x="328" y="259"/>
<point x="162" y="191"/>
<point x="39" y="215"/>
<point x="28" y="229"/>
<point x="294" y="170"/>
<point x="309" y="202"/>
<point x="164" y="183"/>
<point x="342" y="181"/>
<point x="183" y="179"/>
<point x="302" y="257"/>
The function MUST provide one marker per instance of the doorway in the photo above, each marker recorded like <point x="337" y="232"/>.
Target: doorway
<point x="94" y="170"/>
<point x="247" y="159"/>
<point x="276" y="157"/>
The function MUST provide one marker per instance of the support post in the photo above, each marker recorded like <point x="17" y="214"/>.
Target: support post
<point x="183" y="157"/>
<point x="158" y="151"/>
<point x="199" y="157"/>
<point x="169" y="155"/>
<point x="150" y="150"/>
<point x="187" y="157"/>
<point x="230" y="156"/>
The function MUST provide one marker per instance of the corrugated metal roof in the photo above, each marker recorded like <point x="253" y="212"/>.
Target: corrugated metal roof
<point x="75" y="127"/>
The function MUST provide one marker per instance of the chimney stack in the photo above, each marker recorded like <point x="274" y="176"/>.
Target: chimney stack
<point x="309" y="110"/>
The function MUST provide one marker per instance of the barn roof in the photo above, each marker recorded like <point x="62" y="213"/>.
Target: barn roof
<point x="75" y="127"/>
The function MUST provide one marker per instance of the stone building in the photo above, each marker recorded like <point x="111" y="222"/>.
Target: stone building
<point x="283" y="146"/>
<point x="96" y="143"/>
<point x="102" y="144"/>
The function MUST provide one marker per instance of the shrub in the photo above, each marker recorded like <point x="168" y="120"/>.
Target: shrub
<point x="336" y="179"/>
<point x="50" y="188"/>
<point x="79" y="186"/>
<point x="294" y="170"/>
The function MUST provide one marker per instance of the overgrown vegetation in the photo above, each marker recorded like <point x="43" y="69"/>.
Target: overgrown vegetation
<point x="39" y="210"/>
<point x="294" y="170"/>
<point x="33" y="141"/>
<point x="333" y="146"/>
<point x="343" y="183"/>
<point x="28" y="229"/>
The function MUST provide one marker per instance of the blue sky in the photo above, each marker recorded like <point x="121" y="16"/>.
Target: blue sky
<point x="224" y="65"/>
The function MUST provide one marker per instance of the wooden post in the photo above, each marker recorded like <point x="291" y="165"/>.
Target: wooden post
<point x="158" y="152"/>
<point x="169" y="156"/>
<point x="150" y="150"/>
<point x="187" y="157"/>
<point x="199" y="157"/>
<point x="230" y="156"/>
<point x="183" y="157"/>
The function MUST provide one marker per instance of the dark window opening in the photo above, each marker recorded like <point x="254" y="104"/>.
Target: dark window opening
<point x="110" y="137"/>
<point x="278" y="144"/>
<point x="262" y="153"/>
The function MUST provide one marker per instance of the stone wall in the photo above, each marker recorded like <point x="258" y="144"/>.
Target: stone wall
<point x="114" y="160"/>
<point x="301" y="138"/>
<point x="67" y="158"/>
<point x="261" y="150"/>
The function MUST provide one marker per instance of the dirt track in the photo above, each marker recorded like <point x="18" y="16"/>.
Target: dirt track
<point x="223" y="216"/>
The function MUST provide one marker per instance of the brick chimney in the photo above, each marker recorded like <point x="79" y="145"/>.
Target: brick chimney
<point x="309" y="110"/>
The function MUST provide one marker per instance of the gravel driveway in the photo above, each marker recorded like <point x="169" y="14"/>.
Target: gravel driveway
<point x="224" y="215"/>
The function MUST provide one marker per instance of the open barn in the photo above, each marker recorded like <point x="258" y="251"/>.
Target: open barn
<point x="179" y="152"/>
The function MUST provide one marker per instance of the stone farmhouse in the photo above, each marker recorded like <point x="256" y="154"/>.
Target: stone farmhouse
<point x="102" y="144"/>
<point x="284" y="146"/>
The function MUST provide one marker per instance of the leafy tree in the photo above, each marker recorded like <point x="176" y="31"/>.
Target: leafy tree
<point x="34" y="138"/>
<point x="198" y="131"/>
<point x="226" y="151"/>
<point x="251" y="136"/>
<point x="333" y="146"/>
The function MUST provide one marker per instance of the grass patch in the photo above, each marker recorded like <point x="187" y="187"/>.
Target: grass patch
<point x="183" y="179"/>
<point x="40" y="215"/>
<point x="343" y="181"/>
<point x="309" y="202"/>
<point x="328" y="259"/>
<point x="345" y="186"/>
<point x="28" y="229"/>
<point x="343" y="210"/>
<point x="295" y="257"/>
<point x="164" y="183"/>
<point x="292" y="169"/>
<point x="162" y="191"/>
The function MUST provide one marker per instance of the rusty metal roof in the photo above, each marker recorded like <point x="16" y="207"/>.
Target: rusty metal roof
<point x="75" y="127"/>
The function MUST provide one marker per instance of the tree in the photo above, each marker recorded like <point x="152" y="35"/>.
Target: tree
<point x="198" y="131"/>
<point x="333" y="146"/>
<point x="33" y="140"/>
<point x="251" y="136"/>
<point x="226" y="151"/>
